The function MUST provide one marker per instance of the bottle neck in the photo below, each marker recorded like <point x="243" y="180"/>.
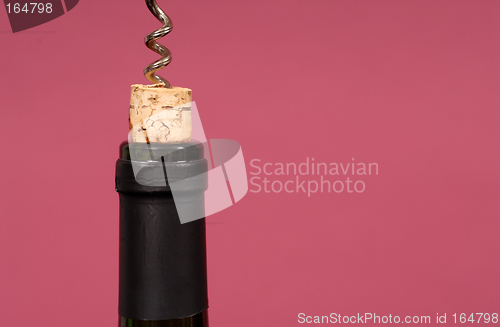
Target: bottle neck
<point x="198" y="320"/>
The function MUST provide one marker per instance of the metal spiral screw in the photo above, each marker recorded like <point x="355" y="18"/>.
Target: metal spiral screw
<point x="150" y="71"/>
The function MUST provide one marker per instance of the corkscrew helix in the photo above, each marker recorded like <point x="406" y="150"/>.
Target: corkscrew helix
<point x="150" y="40"/>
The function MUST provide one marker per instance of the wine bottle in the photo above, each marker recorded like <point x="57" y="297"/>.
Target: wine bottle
<point x="162" y="264"/>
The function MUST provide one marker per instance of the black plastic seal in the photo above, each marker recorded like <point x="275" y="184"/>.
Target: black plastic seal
<point x="163" y="268"/>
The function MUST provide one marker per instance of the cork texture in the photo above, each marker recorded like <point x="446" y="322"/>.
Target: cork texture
<point x="159" y="114"/>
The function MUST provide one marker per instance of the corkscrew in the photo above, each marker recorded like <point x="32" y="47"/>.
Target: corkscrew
<point x="150" y="40"/>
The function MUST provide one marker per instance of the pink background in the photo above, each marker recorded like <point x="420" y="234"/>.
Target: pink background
<point x="411" y="85"/>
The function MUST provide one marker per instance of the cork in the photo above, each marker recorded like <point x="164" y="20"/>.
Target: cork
<point x="159" y="114"/>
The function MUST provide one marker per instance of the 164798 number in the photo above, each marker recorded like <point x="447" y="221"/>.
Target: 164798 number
<point x="29" y="8"/>
<point x="476" y="318"/>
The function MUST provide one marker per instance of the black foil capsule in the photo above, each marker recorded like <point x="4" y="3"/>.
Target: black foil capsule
<point x="163" y="268"/>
